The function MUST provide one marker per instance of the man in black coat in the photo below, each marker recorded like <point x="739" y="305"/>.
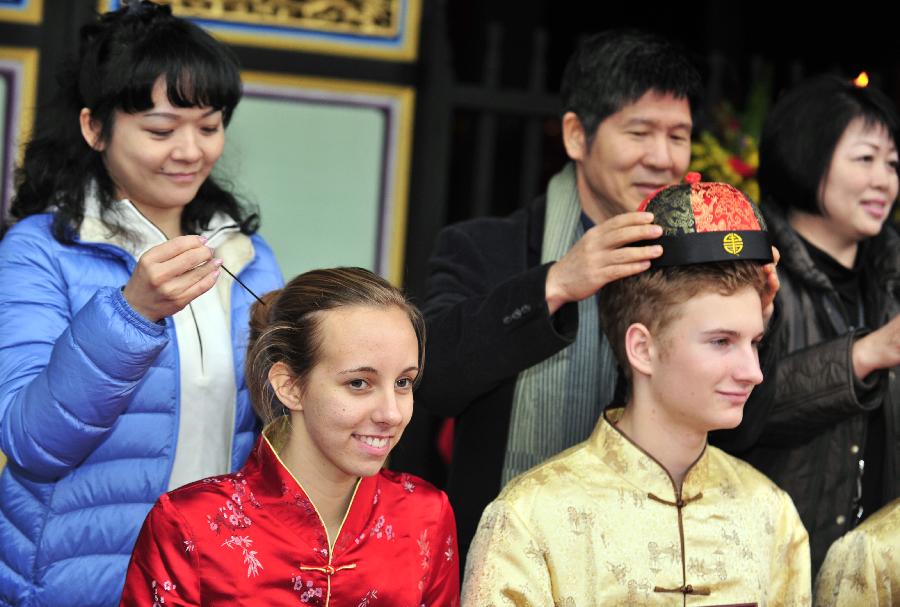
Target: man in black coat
<point x="515" y="350"/>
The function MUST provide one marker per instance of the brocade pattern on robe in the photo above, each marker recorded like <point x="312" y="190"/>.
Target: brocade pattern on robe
<point x="604" y="524"/>
<point x="862" y="568"/>
<point x="255" y="538"/>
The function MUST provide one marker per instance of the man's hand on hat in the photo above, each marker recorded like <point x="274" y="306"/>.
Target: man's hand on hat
<point x="772" y="286"/>
<point x="601" y="256"/>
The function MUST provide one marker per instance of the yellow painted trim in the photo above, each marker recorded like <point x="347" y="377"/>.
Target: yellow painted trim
<point x="402" y="175"/>
<point x="28" y="57"/>
<point x="405" y="98"/>
<point x="28" y="96"/>
<point x="33" y="13"/>
<point x="361" y="87"/>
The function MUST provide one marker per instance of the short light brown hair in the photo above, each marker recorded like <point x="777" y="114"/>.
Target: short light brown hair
<point x="287" y="327"/>
<point x="653" y="298"/>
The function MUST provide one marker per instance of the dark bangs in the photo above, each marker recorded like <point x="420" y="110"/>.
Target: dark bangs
<point x="199" y="71"/>
<point x="801" y="133"/>
<point x="877" y="111"/>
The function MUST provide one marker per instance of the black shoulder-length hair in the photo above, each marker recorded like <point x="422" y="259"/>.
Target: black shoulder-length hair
<point x="801" y="132"/>
<point x="121" y="56"/>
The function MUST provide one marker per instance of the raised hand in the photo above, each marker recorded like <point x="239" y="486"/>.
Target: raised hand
<point x="170" y="276"/>
<point x="878" y="350"/>
<point x="601" y="256"/>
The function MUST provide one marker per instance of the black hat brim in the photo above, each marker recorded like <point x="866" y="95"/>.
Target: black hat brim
<point x="711" y="247"/>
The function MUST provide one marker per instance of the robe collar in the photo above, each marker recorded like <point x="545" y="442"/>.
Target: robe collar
<point x="280" y="492"/>
<point x="642" y="470"/>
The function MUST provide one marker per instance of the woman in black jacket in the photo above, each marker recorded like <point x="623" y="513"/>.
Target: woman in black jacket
<point x="827" y="428"/>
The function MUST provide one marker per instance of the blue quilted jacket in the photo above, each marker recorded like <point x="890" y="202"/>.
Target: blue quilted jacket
<point x="89" y="406"/>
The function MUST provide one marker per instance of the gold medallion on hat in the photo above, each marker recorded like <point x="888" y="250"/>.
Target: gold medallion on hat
<point x="733" y="243"/>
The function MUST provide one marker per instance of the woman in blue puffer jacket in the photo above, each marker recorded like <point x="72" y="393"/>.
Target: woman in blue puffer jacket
<point x="121" y="337"/>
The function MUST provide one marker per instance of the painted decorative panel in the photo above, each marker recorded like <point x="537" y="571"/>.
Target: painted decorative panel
<point x="327" y="162"/>
<point x="373" y="29"/>
<point x="22" y="11"/>
<point x="18" y="89"/>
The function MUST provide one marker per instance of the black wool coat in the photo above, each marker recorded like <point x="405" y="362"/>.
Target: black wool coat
<point x="487" y="320"/>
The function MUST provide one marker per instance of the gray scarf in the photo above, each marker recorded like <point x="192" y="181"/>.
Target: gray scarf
<point x="557" y="402"/>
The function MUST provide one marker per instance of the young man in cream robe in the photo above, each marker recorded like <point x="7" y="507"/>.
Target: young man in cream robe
<point x="645" y="512"/>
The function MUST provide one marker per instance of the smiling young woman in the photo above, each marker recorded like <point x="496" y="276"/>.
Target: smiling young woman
<point x="312" y="517"/>
<point x="121" y="367"/>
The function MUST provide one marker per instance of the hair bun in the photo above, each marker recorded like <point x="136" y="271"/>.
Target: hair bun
<point x="261" y="314"/>
<point x="146" y="8"/>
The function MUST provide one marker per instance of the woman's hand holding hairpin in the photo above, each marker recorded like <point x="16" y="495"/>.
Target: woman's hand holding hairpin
<point x="170" y="276"/>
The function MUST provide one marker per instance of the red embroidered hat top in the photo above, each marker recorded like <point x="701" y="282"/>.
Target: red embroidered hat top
<point x="706" y="222"/>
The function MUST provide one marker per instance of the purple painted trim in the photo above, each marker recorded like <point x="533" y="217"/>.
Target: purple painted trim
<point x="383" y="218"/>
<point x="319" y="99"/>
<point x="9" y="140"/>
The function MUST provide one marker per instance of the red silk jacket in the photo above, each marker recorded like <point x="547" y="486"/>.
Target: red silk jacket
<point x="255" y="538"/>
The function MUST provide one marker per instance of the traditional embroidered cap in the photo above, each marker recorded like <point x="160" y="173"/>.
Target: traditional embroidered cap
<point x="706" y="222"/>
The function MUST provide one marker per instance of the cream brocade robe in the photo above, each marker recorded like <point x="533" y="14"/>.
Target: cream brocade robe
<point x="603" y="524"/>
<point x="863" y="567"/>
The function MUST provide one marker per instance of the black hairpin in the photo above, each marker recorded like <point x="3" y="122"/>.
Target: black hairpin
<point x="227" y="271"/>
<point x="240" y="282"/>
